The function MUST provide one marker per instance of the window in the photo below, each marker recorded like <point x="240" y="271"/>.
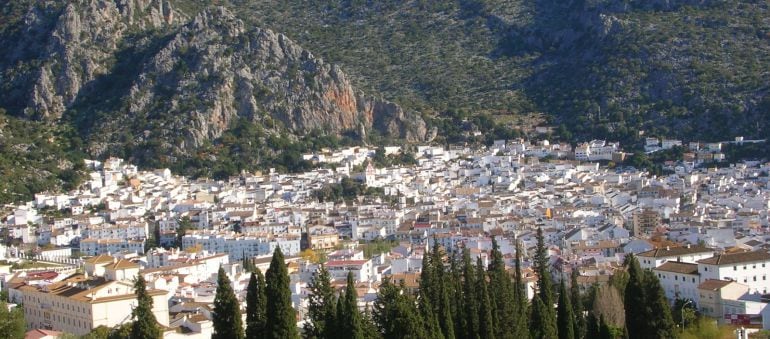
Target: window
<point x="735" y="268"/>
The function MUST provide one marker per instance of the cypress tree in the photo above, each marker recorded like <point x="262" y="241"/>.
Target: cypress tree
<point x="486" y="324"/>
<point x="543" y="317"/>
<point x="564" y="316"/>
<point x="429" y="319"/>
<point x="577" y="306"/>
<point x="145" y="326"/>
<point x="605" y="332"/>
<point x="659" y="322"/>
<point x="281" y="319"/>
<point x="350" y="322"/>
<point x="439" y="291"/>
<point x="256" y="306"/>
<point x="456" y="289"/>
<point x="521" y="325"/>
<point x="470" y="301"/>
<point x="322" y="305"/>
<point x="396" y="315"/>
<point x="227" y="311"/>
<point x="248" y="265"/>
<point x="502" y="295"/>
<point x="592" y="326"/>
<point x="635" y="300"/>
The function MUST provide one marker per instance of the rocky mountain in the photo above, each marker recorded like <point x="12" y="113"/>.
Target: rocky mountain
<point x="693" y="69"/>
<point x="135" y="72"/>
<point x="212" y="87"/>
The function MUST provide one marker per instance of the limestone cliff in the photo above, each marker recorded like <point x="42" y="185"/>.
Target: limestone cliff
<point x="186" y="80"/>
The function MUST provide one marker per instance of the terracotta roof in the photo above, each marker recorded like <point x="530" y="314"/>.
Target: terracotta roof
<point x="122" y="264"/>
<point x="40" y="333"/>
<point x="736" y="258"/>
<point x="713" y="284"/>
<point x="100" y="259"/>
<point x="678" y="267"/>
<point x="674" y="251"/>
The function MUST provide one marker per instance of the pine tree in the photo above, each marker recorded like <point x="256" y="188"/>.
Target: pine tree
<point x="322" y="305"/>
<point x="486" y="324"/>
<point x="256" y="306"/>
<point x="144" y="325"/>
<point x="543" y="317"/>
<point x="577" y="306"/>
<point x="227" y="311"/>
<point x="281" y="319"/>
<point x="350" y="320"/>
<point x="564" y="316"/>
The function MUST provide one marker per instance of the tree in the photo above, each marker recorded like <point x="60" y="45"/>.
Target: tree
<point x="227" y="311"/>
<point x="396" y="314"/>
<point x="470" y="301"/>
<point x="350" y="321"/>
<point x="564" y="316"/>
<point x="183" y="225"/>
<point x="577" y="305"/>
<point x="648" y="313"/>
<point x="543" y="317"/>
<point x="99" y="332"/>
<point x="12" y="323"/>
<point x="256" y="306"/>
<point x="434" y="284"/>
<point x="321" y="305"/>
<point x="248" y="264"/>
<point x="281" y="318"/>
<point x="608" y="304"/>
<point x="502" y="294"/>
<point x="521" y="326"/>
<point x="660" y="322"/>
<point x="635" y="299"/>
<point x="144" y="324"/>
<point x="605" y="331"/>
<point x="486" y="325"/>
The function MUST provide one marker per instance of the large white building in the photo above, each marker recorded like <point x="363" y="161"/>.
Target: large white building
<point x="240" y="245"/>
<point x="748" y="268"/>
<point x="104" y="246"/>
<point x="659" y="256"/>
<point x="679" y="280"/>
<point x="82" y="302"/>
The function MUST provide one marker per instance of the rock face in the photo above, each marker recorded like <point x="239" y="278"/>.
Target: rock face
<point x="83" y="37"/>
<point x="215" y="69"/>
<point x="192" y="84"/>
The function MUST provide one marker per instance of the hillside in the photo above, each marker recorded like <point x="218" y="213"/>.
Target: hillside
<point x="210" y="88"/>
<point x="604" y="68"/>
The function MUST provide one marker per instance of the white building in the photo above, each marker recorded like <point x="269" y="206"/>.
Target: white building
<point x="80" y="303"/>
<point x="748" y="268"/>
<point x="679" y="280"/>
<point x="238" y="245"/>
<point x="688" y="254"/>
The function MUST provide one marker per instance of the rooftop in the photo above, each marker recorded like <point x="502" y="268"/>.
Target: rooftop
<point x="736" y="258"/>
<point x="674" y="251"/>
